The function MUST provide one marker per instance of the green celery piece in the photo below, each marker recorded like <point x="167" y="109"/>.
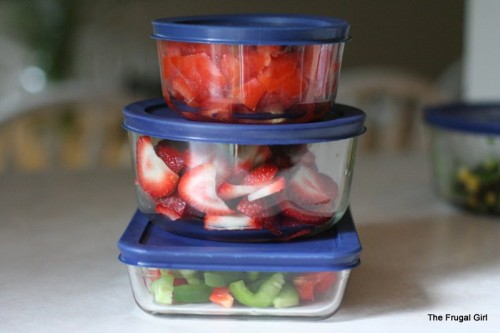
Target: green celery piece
<point x="193" y="280"/>
<point x="162" y="289"/>
<point x="287" y="297"/>
<point x="192" y="293"/>
<point x="264" y="297"/>
<point x="215" y="279"/>
<point x="187" y="272"/>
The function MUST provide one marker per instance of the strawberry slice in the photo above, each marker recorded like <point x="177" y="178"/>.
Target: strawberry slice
<point x="260" y="208"/>
<point x="311" y="214"/>
<point x="250" y="156"/>
<point x="230" y="222"/>
<point x="308" y="186"/>
<point x="173" y="207"/>
<point x="269" y="189"/>
<point x="154" y="176"/>
<point x="222" y="297"/>
<point x="255" y="181"/>
<point x="171" y="156"/>
<point x="198" y="188"/>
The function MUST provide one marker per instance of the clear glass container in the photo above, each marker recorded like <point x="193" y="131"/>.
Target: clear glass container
<point x="275" y="189"/>
<point x="465" y="150"/>
<point x="262" y="69"/>
<point x="175" y="275"/>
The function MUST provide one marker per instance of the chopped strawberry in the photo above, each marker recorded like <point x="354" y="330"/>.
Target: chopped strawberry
<point x="228" y="191"/>
<point x="250" y="156"/>
<point x="311" y="214"/>
<point x="230" y="222"/>
<point x="305" y="288"/>
<point x="171" y="156"/>
<point x="173" y="207"/>
<point x="154" y="176"/>
<point x="308" y="186"/>
<point x="198" y="188"/>
<point x="221" y="296"/>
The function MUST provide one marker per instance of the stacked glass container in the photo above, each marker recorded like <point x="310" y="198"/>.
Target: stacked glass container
<point x="243" y="170"/>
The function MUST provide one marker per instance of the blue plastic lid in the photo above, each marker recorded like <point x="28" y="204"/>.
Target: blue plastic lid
<point x="147" y="245"/>
<point x="258" y="29"/>
<point x="481" y="118"/>
<point x="153" y="118"/>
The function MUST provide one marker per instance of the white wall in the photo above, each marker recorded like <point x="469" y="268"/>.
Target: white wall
<point x="482" y="50"/>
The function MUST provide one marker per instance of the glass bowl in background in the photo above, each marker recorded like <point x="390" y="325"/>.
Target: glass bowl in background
<point x="465" y="150"/>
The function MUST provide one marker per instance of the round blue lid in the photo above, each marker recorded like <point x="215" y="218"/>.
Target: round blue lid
<point x="145" y="244"/>
<point x="153" y="118"/>
<point x="253" y="29"/>
<point x="481" y="118"/>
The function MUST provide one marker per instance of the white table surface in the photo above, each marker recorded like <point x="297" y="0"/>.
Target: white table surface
<point x="60" y="273"/>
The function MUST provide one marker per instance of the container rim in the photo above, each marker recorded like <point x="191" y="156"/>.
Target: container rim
<point x="144" y="244"/>
<point x="478" y="118"/>
<point x="152" y="117"/>
<point x="252" y="29"/>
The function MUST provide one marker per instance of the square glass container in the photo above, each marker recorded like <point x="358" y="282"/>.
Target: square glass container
<point x="176" y="275"/>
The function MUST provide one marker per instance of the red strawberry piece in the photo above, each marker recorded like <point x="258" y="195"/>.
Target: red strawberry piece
<point x="325" y="281"/>
<point x="173" y="207"/>
<point x="171" y="156"/>
<point x="198" y="186"/>
<point x="222" y="297"/>
<point x="255" y="181"/>
<point x="265" y="207"/>
<point x="269" y="189"/>
<point x="230" y="222"/>
<point x="199" y="153"/>
<point x="305" y="288"/>
<point x="312" y="214"/>
<point x="261" y="174"/>
<point x="154" y="176"/>
<point x="271" y="223"/>
<point x="308" y="186"/>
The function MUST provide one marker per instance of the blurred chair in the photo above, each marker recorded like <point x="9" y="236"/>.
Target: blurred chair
<point x="69" y="125"/>
<point x="393" y="102"/>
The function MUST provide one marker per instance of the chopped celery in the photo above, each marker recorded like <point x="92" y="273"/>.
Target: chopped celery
<point x="264" y="297"/>
<point x="287" y="297"/>
<point x="162" y="289"/>
<point x="192" y="293"/>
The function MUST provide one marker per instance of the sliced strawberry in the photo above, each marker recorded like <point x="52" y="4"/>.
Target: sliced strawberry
<point x="171" y="156"/>
<point x="230" y="222"/>
<point x="154" y="176"/>
<point x="271" y="188"/>
<point x="250" y="156"/>
<point x="255" y="181"/>
<point x="308" y="186"/>
<point x="312" y="214"/>
<point x="261" y="174"/>
<point x="265" y="207"/>
<point x="173" y="207"/>
<point x="198" y="188"/>
<point x="222" y="297"/>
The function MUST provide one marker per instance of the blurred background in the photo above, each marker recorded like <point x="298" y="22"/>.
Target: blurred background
<point x="68" y="67"/>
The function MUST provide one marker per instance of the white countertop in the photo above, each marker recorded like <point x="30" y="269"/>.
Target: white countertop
<point x="60" y="272"/>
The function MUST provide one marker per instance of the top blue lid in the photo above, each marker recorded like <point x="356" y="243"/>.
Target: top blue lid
<point x="153" y="118"/>
<point x="481" y="118"/>
<point x="253" y="29"/>
<point x="147" y="245"/>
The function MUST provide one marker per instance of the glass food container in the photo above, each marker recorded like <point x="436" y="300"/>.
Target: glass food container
<point x="241" y="182"/>
<point x="262" y="69"/>
<point x="465" y="147"/>
<point x="175" y="275"/>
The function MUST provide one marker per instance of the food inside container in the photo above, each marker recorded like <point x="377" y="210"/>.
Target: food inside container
<point x="465" y="146"/>
<point x="171" y="274"/>
<point x="238" y="182"/>
<point x="262" y="69"/>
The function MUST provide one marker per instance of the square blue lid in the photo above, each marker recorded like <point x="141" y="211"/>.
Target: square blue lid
<point x="147" y="245"/>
